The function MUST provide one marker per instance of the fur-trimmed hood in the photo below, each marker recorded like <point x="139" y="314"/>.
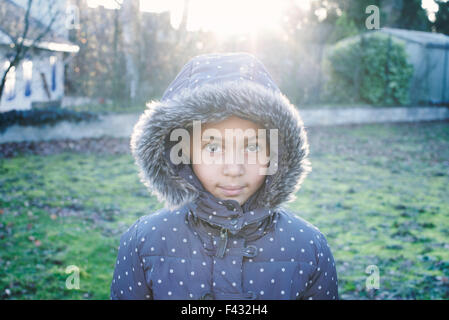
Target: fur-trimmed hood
<point x="209" y="88"/>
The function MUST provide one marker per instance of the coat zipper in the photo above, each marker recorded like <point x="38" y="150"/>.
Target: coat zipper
<point x="223" y="242"/>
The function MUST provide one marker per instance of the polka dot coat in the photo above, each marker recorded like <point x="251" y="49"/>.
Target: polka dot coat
<point x="179" y="252"/>
<point x="159" y="257"/>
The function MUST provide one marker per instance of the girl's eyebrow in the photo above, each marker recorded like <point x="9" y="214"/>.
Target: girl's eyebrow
<point x="211" y="137"/>
<point x="248" y="138"/>
<point x="256" y="137"/>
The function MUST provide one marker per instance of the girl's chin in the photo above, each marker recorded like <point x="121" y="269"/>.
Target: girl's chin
<point x="240" y="200"/>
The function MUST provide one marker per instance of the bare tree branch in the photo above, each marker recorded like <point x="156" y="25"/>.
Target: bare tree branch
<point x="20" y="45"/>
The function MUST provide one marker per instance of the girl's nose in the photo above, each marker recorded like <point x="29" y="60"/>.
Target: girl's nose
<point x="233" y="163"/>
<point x="233" y="169"/>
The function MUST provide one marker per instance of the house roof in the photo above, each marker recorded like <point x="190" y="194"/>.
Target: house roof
<point x="12" y="20"/>
<point x="428" y="39"/>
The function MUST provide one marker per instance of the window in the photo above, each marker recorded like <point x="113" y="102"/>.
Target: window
<point x="10" y="84"/>
<point x="53" y="72"/>
<point x="27" y="76"/>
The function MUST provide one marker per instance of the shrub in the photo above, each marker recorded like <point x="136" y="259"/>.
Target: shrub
<point x="370" y="69"/>
<point x="40" y="117"/>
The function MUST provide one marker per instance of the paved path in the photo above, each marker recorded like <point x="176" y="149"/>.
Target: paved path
<point x="121" y="125"/>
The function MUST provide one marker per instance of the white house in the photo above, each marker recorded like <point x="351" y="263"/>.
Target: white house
<point x="39" y="77"/>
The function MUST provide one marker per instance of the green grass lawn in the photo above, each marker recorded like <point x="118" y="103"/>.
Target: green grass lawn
<point x="380" y="195"/>
<point x="378" y="192"/>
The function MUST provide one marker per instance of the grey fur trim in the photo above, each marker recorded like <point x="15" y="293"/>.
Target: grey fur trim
<point x="215" y="102"/>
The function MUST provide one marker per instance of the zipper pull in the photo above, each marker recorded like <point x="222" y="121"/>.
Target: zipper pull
<point x="223" y="242"/>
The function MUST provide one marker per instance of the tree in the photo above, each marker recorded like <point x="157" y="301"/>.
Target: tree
<point x="442" y="17"/>
<point x="23" y="31"/>
<point x="411" y="15"/>
<point x="98" y="70"/>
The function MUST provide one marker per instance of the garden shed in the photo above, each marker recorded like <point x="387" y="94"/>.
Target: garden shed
<point x="428" y="52"/>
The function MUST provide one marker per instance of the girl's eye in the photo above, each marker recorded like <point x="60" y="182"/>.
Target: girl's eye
<point x="253" y="148"/>
<point x="213" y="147"/>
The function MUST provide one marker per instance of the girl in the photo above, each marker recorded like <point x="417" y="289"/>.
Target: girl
<point x="223" y="233"/>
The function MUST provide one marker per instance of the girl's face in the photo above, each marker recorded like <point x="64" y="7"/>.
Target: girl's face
<point x="233" y="170"/>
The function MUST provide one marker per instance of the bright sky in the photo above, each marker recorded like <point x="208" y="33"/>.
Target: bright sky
<point x="109" y="4"/>
<point x="229" y="16"/>
<point x="431" y="8"/>
<point x="224" y="17"/>
<point x="220" y="16"/>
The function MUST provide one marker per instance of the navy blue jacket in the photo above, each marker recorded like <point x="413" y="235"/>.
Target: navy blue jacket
<point x="161" y="258"/>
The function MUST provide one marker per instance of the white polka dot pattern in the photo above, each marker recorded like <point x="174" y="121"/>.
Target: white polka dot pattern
<point x="292" y="267"/>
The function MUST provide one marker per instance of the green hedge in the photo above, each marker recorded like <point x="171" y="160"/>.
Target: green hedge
<point x="41" y="117"/>
<point x="370" y="69"/>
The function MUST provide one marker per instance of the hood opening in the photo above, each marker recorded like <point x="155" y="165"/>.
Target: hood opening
<point x="199" y="93"/>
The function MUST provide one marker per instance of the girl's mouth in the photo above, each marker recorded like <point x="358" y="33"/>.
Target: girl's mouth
<point x="230" y="191"/>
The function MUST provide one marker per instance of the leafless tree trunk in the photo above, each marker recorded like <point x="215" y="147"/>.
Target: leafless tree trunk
<point x="130" y="18"/>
